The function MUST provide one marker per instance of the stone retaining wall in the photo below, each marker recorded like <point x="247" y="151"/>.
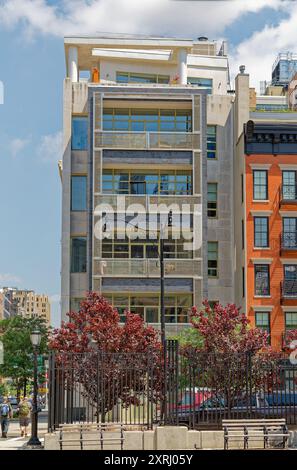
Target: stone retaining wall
<point x="161" y="438"/>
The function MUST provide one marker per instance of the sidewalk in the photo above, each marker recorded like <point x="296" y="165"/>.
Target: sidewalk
<point x="15" y="441"/>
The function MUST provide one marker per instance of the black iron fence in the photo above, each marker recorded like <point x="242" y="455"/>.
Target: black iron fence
<point x="199" y="389"/>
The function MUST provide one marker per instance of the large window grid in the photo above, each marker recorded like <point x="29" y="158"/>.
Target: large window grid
<point x="134" y="77"/>
<point x="211" y="142"/>
<point x="261" y="238"/>
<point x="212" y="199"/>
<point x="144" y="249"/>
<point x="262" y="280"/>
<point x="212" y="259"/>
<point x="260" y="186"/>
<point x="164" y="183"/>
<point x="146" y="305"/>
<point x="147" y="120"/>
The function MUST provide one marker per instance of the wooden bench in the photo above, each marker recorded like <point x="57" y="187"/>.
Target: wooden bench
<point x="254" y="429"/>
<point x="84" y="429"/>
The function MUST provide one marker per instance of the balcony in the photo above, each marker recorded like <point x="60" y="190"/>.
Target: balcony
<point x="109" y="267"/>
<point x="288" y="289"/>
<point x="289" y="241"/>
<point x="120" y="203"/>
<point x="288" y="194"/>
<point x="287" y="338"/>
<point x="146" y="140"/>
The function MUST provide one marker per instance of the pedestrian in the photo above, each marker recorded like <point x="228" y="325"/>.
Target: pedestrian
<point x="24" y="409"/>
<point x="5" y="416"/>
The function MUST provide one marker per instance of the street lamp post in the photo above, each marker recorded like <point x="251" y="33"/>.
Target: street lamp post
<point x="162" y="302"/>
<point x="35" y="340"/>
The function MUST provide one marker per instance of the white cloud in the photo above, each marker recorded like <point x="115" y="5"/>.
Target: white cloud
<point x="17" y="145"/>
<point x="50" y="147"/>
<point x="164" y="17"/>
<point x="259" y="51"/>
<point x="6" y="279"/>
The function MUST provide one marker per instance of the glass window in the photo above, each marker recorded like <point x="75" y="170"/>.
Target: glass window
<point x="291" y="320"/>
<point x="114" y="248"/>
<point x="211" y="142"/>
<point x="290" y="272"/>
<point x="133" y="77"/>
<point x="289" y="232"/>
<point x="289" y="185"/>
<point x="79" y="138"/>
<point x="262" y="282"/>
<point x="79" y="255"/>
<point x="261" y="239"/>
<point x="212" y="199"/>
<point x="262" y="321"/>
<point x="289" y="288"/>
<point x="201" y="83"/>
<point x="212" y="259"/>
<point x="260" y="185"/>
<point x="78" y="193"/>
<point x="147" y="120"/>
<point x="169" y="183"/>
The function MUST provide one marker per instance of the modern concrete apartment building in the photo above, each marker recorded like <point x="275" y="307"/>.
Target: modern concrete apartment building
<point x="149" y="119"/>
<point x="265" y="217"/>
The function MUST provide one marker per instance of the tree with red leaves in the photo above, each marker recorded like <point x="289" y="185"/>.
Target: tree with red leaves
<point x="226" y="349"/>
<point x="226" y="330"/>
<point x="109" y="361"/>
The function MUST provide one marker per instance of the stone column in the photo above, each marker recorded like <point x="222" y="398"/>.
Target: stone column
<point x="73" y="64"/>
<point x="182" y="66"/>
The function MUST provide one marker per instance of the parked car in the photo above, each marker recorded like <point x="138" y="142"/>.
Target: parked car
<point x="213" y="408"/>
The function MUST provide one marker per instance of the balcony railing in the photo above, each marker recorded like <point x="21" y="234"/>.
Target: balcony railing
<point x="289" y="289"/>
<point x="287" y="338"/>
<point x="289" y="240"/>
<point x="288" y="194"/>
<point x="147" y="140"/>
<point x="146" y="267"/>
<point x="148" y="202"/>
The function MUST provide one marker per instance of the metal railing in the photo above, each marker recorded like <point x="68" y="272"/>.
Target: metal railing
<point x="289" y="240"/>
<point x="289" y="289"/>
<point x="120" y="202"/>
<point x="149" y="267"/>
<point x="147" y="140"/>
<point x="194" y="388"/>
<point x="288" y="193"/>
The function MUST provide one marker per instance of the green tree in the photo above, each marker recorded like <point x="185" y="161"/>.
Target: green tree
<point x="18" y="350"/>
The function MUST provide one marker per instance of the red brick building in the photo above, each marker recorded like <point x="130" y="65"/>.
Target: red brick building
<point x="269" y="228"/>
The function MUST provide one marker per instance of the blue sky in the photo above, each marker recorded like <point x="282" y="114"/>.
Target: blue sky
<point x="32" y="70"/>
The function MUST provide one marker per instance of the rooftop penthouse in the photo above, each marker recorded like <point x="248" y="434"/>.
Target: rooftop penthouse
<point x="147" y="61"/>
